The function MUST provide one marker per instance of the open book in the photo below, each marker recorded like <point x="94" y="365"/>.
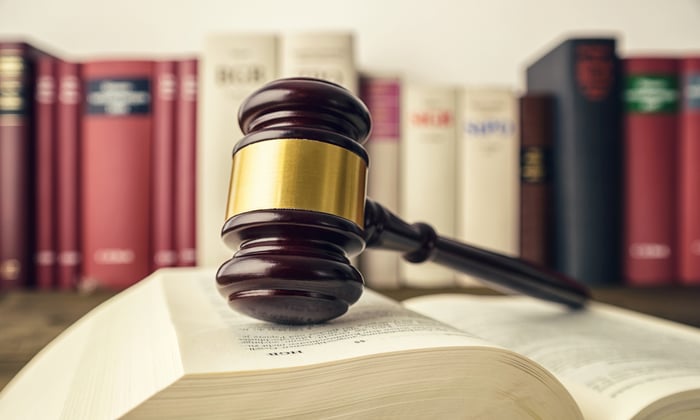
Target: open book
<point x="169" y="347"/>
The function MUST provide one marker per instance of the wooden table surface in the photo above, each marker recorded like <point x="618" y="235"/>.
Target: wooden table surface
<point x="29" y="320"/>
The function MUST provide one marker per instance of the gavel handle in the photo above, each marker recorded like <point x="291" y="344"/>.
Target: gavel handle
<point x="419" y="242"/>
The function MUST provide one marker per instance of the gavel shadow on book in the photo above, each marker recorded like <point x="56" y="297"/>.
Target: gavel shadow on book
<point x="297" y="210"/>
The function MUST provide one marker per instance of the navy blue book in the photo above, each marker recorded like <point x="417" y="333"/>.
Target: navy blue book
<point x="584" y="76"/>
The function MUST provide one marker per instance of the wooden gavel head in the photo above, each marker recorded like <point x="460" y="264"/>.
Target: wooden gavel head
<point x="296" y="202"/>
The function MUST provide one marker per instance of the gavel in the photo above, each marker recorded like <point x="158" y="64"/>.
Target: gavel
<point x="297" y="212"/>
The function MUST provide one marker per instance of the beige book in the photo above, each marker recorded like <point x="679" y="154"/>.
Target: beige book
<point x="487" y="171"/>
<point x="382" y="95"/>
<point x="323" y="54"/>
<point x="427" y="172"/>
<point x="327" y="55"/>
<point x="169" y="347"/>
<point x="232" y="66"/>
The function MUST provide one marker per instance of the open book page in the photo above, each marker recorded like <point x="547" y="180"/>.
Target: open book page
<point x="380" y="359"/>
<point x="622" y="360"/>
<point x="169" y="347"/>
<point x="214" y="338"/>
<point x="108" y="360"/>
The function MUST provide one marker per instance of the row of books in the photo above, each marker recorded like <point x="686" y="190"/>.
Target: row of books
<point x="98" y="170"/>
<point x="591" y="171"/>
<point x="625" y="188"/>
<point x="131" y="161"/>
<point x="446" y="156"/>
<point x="105" y="179"/>
<point x="412" y="147"/>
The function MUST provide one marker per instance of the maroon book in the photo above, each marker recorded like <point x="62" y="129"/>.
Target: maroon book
<point x="650" y="119"/>
<point x="536" y="136"/>
<point x="689" y="174"/>
<point x="68" y="175"/>
<point x="165" y="93"/>
<point x="45" y="172"/>
<point x="117" y="129"/>
<point x="185" y="161"/>
<point x="17" y="198"/>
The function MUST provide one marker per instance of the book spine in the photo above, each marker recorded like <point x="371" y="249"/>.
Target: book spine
<point x="381" y="94"/>
<point x="487" y="172"/>
<point x="185" y="161"/>
<point x="536" y="135"/>
<point x="651" y="98"/>
<point x="232" y="66"/>
<point x="45" y="173"/>
<point x="326" y="55"/>
<point x="163" y="173"/>
<point x="427" y="172"/>
<point x="116" y="172"/>
<point x="17" y="222"/>
<point x="585" y="77"/>
<point x="323" y="55"/>
<point x="689" y="174"/>
<point x="68" y="175"/>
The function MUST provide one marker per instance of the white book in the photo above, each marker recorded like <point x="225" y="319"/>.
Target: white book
<point x="427" y="180"/>
<point x="381" y="94"/>
<point x="488" y="183"/>
<point x="169" y="347"/>
<point x="232" y="66"/>
<point x="327" y="55"/>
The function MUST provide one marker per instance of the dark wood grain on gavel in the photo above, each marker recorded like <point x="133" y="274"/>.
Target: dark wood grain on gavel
<point x="297" y="211"/>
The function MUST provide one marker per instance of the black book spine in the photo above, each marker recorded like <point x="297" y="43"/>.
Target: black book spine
<point x="584" y="75"/>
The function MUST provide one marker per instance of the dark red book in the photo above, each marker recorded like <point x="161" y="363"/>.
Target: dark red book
<point x="68" y="175"/>
<point x="45" y="172"/>
<point x="651" y="97"/>
<point x="163" y="175"/>
<point x="689" y="174"/>
<point x="185" y="162"/>
<point x="117" y="131"/>
<point x="17" y="198"/>
<point x="536" y="136"/>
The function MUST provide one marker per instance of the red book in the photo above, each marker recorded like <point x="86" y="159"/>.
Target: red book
<point x="185" y="162"/>
<point x="68" y="175"/>
<point x="117" y="130"/>
<point x="689" y="174"/>
<point x="45" y="173"/>
<point x="165" y="93"/>
<point x="17" y="222"/>
<point x="536" y="140"/>
<point x="651" y="99"/>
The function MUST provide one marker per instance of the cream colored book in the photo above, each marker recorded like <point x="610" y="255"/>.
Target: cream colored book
<point x="427" y="172"/>
<point x="382" y="95"/>
<point x="488" y="159"/>
<point x="327" y="55"/>
<point x="232" y="66"/>
<point x="169" y="347"/>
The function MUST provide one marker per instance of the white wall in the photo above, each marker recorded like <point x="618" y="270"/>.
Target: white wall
<point x="459" y="42"/>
